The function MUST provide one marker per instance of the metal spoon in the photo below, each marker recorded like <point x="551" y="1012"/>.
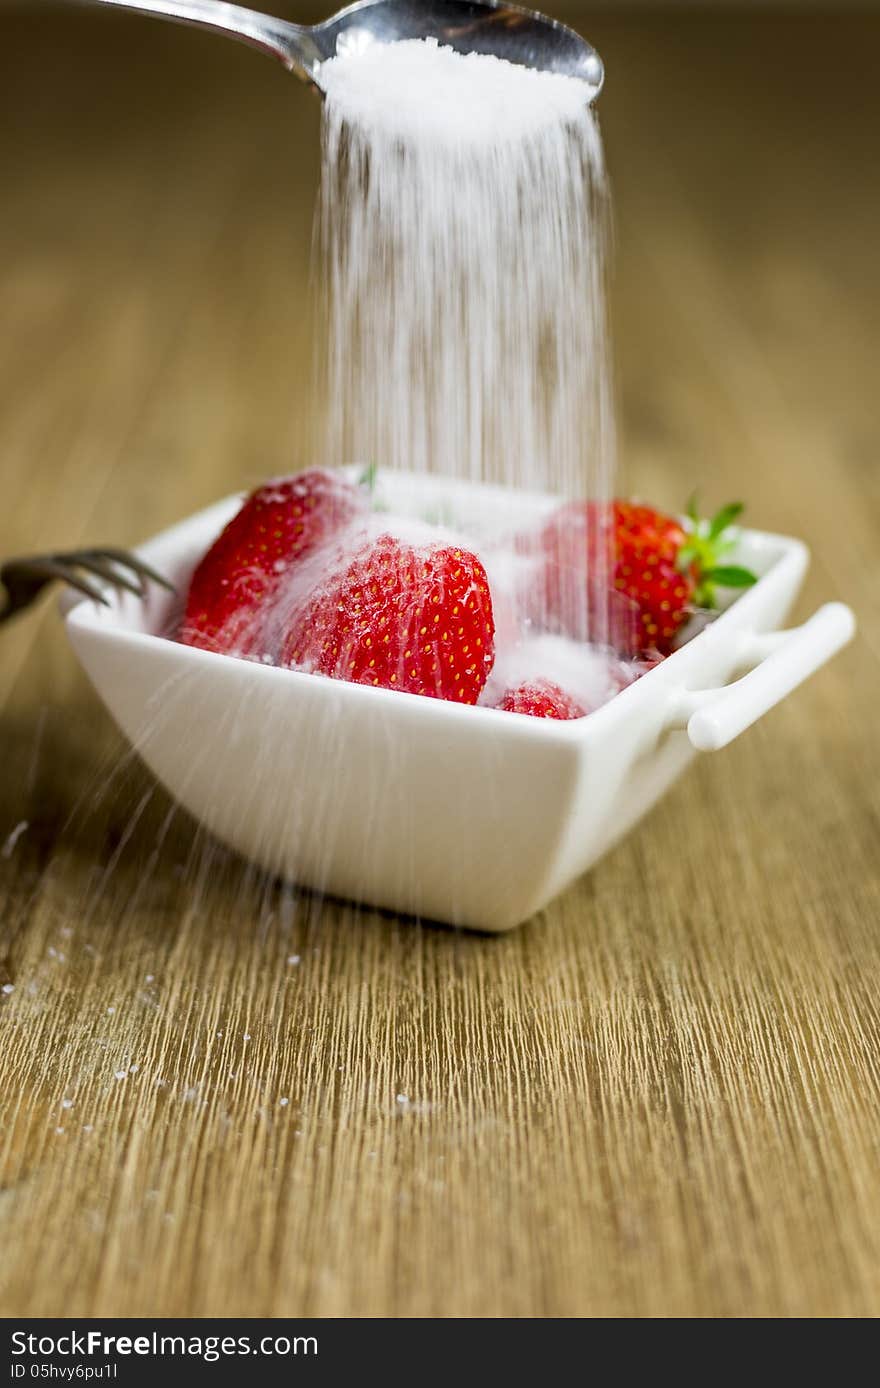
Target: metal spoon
<point x="507" y="31"/>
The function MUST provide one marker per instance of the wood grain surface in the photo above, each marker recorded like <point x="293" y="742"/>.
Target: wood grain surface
<point x="661" y="1097"/>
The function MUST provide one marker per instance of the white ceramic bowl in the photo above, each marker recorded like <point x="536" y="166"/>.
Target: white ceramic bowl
<point x="465" y="815"/>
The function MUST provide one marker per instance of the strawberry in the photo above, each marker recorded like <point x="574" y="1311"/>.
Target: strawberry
<point x="646" y="546"/>
<point x="400" y="616"/>
<point x="542" y="699"/>
<point x="629" y="575"/>
<point x="278" y="525"/>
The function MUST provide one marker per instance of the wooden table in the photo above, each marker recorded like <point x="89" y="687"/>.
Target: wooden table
<point x="663" y="1096"/>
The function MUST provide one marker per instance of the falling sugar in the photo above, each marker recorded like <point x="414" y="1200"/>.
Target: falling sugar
<point x="463" y="223"/>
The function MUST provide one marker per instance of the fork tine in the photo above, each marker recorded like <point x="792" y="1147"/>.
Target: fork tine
<point x="51" y="568"/>
<point x="24" y="579"/>
<point x="108" y="571"/>
<point x="130" y="561"/>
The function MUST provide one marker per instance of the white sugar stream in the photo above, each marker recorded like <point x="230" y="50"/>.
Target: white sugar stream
<point x="463" y="221"/>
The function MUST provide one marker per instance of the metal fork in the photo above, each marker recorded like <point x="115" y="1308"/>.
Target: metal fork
<point x="25" y="579"/>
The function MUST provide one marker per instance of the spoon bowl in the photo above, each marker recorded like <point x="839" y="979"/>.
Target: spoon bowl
<point x="506" y="31"/>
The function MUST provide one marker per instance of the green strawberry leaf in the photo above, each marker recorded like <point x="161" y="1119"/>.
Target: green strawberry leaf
<point x="730" y="576"/>
<point x="723" y="518"/>
<point x="368" y="478"/>
<point x="686" y="556"/>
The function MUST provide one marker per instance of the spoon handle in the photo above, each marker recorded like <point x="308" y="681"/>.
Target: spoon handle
<point x="292" y="44"/>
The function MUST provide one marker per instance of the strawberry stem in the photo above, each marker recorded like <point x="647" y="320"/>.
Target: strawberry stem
<point x="368" y="478"/>
<point x="707" y="543"/>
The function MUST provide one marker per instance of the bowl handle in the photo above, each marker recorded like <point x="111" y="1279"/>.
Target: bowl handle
<point x="782" y="660"/>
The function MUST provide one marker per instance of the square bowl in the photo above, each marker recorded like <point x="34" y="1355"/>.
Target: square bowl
<point x="466" y="815"/>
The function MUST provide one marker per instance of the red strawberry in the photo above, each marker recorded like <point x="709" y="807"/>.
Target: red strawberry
<point x="646" y="549"/>
<point x="279" y="524"/>
<point x="628" y="575"/>
<point x="401" y="617"/>
<point x="567" y="589"/>
<point x="542" y="699"/>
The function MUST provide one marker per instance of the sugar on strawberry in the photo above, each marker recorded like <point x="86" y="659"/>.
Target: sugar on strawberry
<point x="410" y="617"/>
<point x="540" y="698"/>
<point x="305" y="574"/>
<point x="279" y="524"/>
<point x="628" y="574"/>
